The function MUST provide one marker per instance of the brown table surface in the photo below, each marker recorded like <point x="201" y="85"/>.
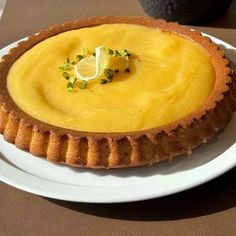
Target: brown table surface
<point x="206" y="210"/>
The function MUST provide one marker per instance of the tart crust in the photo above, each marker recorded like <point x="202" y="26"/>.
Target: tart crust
<point x="126" y="149"/>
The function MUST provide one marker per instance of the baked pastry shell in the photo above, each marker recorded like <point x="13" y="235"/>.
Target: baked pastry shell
<point x="121" y="149"/>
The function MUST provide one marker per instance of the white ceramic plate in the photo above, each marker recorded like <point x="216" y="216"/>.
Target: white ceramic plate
<point x="36" y="175"/>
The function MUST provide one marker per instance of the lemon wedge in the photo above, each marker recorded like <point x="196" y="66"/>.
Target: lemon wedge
<point x="92" y="67"/>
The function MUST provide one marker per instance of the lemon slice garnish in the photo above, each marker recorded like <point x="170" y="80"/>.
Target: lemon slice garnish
<point x="92" y="67"/>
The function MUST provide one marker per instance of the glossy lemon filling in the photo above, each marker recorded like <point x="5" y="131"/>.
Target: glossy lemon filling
<point x="171" y="76"/>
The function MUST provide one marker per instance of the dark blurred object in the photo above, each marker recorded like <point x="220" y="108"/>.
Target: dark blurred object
<point x="186" y="11"/>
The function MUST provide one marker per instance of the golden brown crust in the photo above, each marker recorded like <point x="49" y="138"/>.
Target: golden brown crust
<point x="114" y="150"/>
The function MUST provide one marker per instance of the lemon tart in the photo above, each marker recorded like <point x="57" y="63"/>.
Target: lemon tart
<point x="178" y="93"/>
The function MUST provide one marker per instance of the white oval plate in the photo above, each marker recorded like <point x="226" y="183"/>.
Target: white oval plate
<point x="36" y="175"/>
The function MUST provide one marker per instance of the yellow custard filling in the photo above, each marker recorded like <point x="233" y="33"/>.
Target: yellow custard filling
<point x="171" y="76"/>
